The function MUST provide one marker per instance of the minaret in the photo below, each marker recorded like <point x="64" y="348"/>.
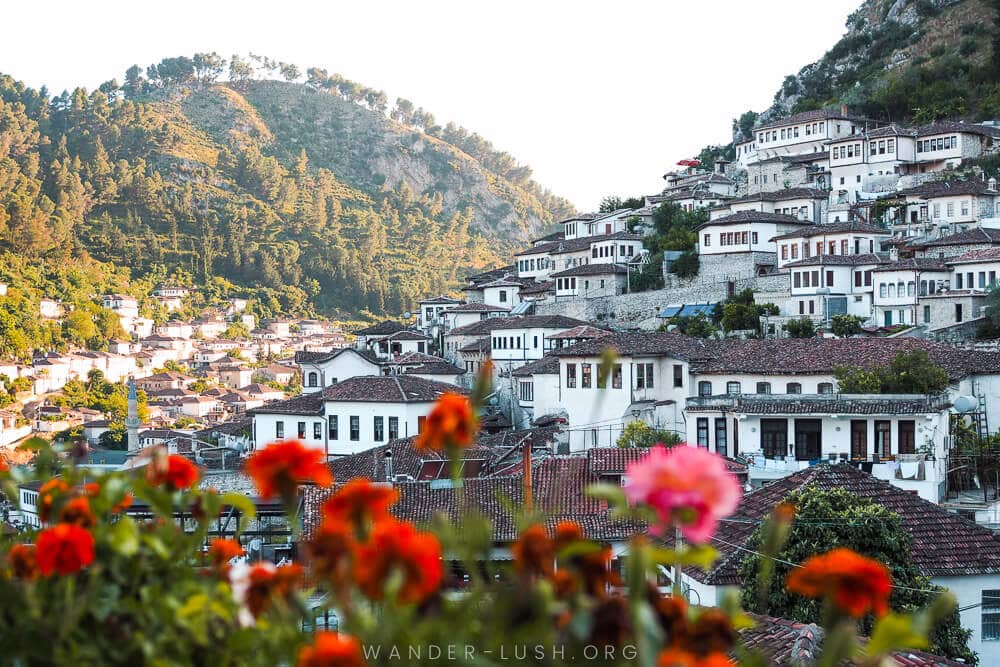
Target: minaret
<point x="132" y="422"/>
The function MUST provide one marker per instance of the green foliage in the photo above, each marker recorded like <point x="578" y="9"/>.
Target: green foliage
<point x="908" y="373"/>
<point x="110" y="398"/>
<point x="740" y="313"/>
<point x="697" y="326"/>
<point x="687" y="265"/>
<point x="640" y="434"/>
<point x="845" y="325"/>
<point x="826" y="519"/>
<point x="613" y="203"/>
<point x="801" y="328"/>
<point x="182" y="172"/>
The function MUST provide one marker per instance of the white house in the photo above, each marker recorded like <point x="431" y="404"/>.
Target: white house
<point x="430" y="310"/>
<point x="467" y="313"/>
<point x="942" y="208"/>
<point x="826" y="285"/>
<point x="351" y="416"/>
<point x="123" y="305"/>
<point x="322" y="369"/>
<point x="835" y="238"/>
<point x="588" y="281"/>
<point x="897" y="288"/>
<point x="517" y="340"/>
<point x="742" y="241"/>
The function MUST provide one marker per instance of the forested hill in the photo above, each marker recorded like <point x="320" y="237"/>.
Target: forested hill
<point x="310" y="193"/>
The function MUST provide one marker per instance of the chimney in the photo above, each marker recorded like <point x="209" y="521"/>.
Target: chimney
<point x="388" y="465"/>
<point x="526" y="462"/>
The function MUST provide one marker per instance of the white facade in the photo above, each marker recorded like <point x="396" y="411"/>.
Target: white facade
<point x="346" y="363"/>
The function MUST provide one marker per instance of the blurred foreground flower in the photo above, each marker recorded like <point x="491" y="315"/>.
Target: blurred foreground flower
<point x="64" y="549"/>
<point x="689" y="488"/>
<point x="853" y="583"/>
<point x="396" y="546"/>
<point x="331" y="649"/>
<point x="175" y="472"/>
<point x="360" y="503"/>
<point x="280" y="467"/>
<point x="451" y="424"/>
<point x="23" y="563"/>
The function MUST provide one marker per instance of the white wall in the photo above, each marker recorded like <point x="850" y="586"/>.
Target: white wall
<point x="969" y="591"/>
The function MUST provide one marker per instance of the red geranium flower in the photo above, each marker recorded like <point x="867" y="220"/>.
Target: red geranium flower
<point x="397" y="545"/>
<point x="223" y="550"/>
<point x="65" y="549"/>
<point x="266" y="582"/>
<point x="855" y="584"/>
<point x="23" y="562"/>
<point x="122" y="504"/>
<point x="451" y="423"/>
<point x="176" y="472"/>
<point x="331" y="551"/>
<point x="47" y="494"/>
<point x="331" y="649"/>
<point x="360" y="502"/>
<point x="534" y="553"/>
<point x="77" y="511"/>
<point x="278" y="468"/>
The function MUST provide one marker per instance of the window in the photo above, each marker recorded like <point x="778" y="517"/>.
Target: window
<point x="720" y="436"/>
<point x="378" y="428"/>
<point x="317" y="430"/>
<point x="616" y="376"/>
<point x="503" y="296"/>
<point x="393" y="428"/>
<point x="958" y="312"/>
<point x="644" y="376"/>
<point x="678" y="375"/>
<point x="586" y="376"/>
<point x="927" y="314"/>
<point x="704" y="388"/>
<point x="703" y="432"/>
<point x="708" y="240"/>
<point x="355" y="428"/>
<point x="857" y="278"/>
<point x="883" y="437"/>
<point x="331" y="425"/>
<point x="733" y="388"/>
<point x="754" y="238"/>
<point x="774" y="437"/>
<point x="763" y="387"/>
<point x="784" y="251"/>
<point x="570" y="376"/>
<point x="526" y="390"/>
<point x="907" y="444"/>
<point x="825" y="388"/>
<point x="859" y="439"/>
<point x="797" y="279"/>
<point x="301" y="430"/>
<point x="991" y="615"/>
<point x="602" y="376"/>
<point x="279" y="430"/>
<point x="313" y="379"/>
<point x="808" y="439"/>
<point x="793" y="388"/>
<point x="829" y="279"/>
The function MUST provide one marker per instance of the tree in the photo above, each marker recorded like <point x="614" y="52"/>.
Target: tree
<point x="208" y="66"/>
<point x="838" y="518"/>
<point x="240" y="71"/>
<point x="640" y="434"/>
<point x="801" y="328"/>
<point x="908" y="373"/>
<point x="686" y="266"/>
<point x="992" y="305"/>
<point x="846" y="325"/>
<point x="289" y="71"/>
<point x="613" y="203"/>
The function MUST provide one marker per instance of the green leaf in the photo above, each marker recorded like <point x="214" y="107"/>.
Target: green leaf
<point x="702" y="556"/>
<point x="612" y="494"/>
<point x="895" y="631"/>
<point x="125" y="537"/>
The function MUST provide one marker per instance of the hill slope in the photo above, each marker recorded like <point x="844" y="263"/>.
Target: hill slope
<point x="312" y="200"/>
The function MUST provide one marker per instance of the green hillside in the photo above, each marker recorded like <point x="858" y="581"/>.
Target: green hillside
<point x="307" y="196"/>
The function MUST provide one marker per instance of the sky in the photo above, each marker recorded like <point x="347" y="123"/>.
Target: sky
<point x="598" y="98"/>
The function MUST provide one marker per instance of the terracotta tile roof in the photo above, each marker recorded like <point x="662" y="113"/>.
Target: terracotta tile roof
<point x="408" y="334"/>
<point x="539" y="322"/>
<point x="554" y="236"/>
<point x="788" y="643"/>
<point x="577" y="244"/>
<point x="538" y="288"/>
<point x="742" y="217"/>
<point x="387" y="389"/>
<point x="783" y="195"/>
<point x="583" y="331"/>
<point x="440" y="367"/>
<point x="477" y="307"/>
<point x="603" y="269"/>
<point x="822" y="355"/>
<point x="807" y="117"/>
<point x="477" y="328"/>
<point x="305" y="357"/>
<point x="635" y="344"/>
<point x="614" y="460"/>
<point x="948" y="189"/>
<point x="980" y="255"/>
<point x="547" y="365"/>
<point x="968" y="237"/>
<point x="914" y="264"/>
<point x="944" y="544"/>
<point x="834" y="228"/>
<point x="841" y="260"/>
<point x="480" y="345"/>
<point x="383" y="328"/>
<point x="802" y="404"/>
<point x="441" y="299"/>
<point x="415" y="358"/>
<point x="807" y="157"/>
<point x="945" y="126"/>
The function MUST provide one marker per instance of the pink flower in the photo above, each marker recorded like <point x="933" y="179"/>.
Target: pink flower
<point x="687" y="486"/>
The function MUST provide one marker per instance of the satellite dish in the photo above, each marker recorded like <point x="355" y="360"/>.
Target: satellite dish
<point x="966" y="403"/>
<point x="407" y="315"/>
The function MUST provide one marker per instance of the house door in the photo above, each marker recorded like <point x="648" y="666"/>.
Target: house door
<point x="774" y="437"/>
<point x="859" y="439"/>
<point x="808" y="439"/>
<point x="888" y="318"/>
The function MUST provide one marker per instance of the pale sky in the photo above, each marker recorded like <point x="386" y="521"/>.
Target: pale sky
<point x="598" y="97"/>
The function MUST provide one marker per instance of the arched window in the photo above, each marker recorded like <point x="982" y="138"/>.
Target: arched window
<point x="909" y="288"/>
<point x="704" y="388"/>
<point x="900" y="288"/>
<point x="892" y="290"/>
<point x="825" y="387"/>
<point x="793" y="388"/>
<point x="733" y="388"/>
<point x="763" y="387"/>
<point x="881" y="290"/>
<point x="313" y="379"/>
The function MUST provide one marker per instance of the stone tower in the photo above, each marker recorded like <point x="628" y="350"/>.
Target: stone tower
<point x="132" y="422"/>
